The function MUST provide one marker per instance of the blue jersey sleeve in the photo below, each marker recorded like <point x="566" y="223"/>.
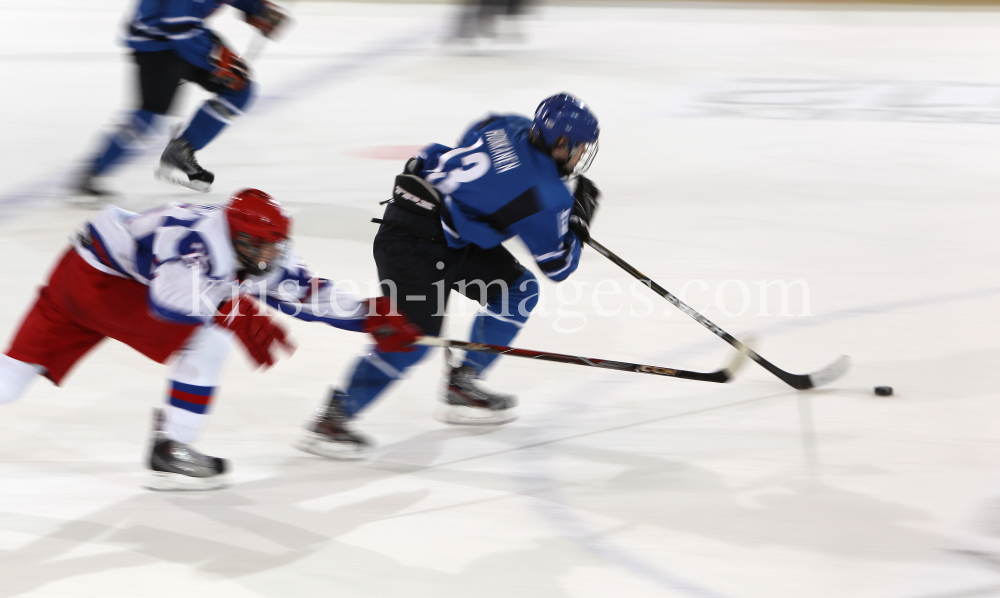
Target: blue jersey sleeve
<point x="554" y="248"/>
<point x="297" y="292"/>
<point x="179" y="25"/>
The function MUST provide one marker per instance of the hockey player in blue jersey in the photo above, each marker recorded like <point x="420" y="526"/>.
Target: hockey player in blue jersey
<point x="451" y="210"/>
<point x="172" y="45"/>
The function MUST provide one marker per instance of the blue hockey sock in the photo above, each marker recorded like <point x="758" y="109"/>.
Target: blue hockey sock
<point x="373" y="374"/>
<point x="499" y="322"/>
<point x="118" y="144"/>
<point x="214" y="115"/>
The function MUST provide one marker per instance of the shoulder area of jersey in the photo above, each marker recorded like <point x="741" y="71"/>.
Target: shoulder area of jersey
<point x="199" y="209"/>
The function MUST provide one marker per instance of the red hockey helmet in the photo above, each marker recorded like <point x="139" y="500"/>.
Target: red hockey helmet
<point x="259" y="227"/>
<point x="257" y="215"/>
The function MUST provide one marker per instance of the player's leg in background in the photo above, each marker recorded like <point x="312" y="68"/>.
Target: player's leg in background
<point x="465" y="24"/>
<point x="512" y="27"/>
<point x="178" y="163"/>
<point x="488" y="14"/>
<point x="159" y="75"/>
<point x="216" y="113"/>
<point x="515" y="7"/>
<point x="191" y="388"/>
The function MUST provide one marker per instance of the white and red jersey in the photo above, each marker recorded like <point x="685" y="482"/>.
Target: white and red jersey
<point x="185" y="255"/>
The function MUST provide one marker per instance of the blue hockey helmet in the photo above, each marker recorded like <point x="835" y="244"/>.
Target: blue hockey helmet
<point x="564" y="115"/>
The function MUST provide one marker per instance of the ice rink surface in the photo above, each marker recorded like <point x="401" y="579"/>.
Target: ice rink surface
<point x="852" y="149"/>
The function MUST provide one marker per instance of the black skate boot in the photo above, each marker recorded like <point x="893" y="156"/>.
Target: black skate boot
<point x="178" y="165"/>
<point x="328" y="433"/>
<point x="468" y="403"/>
<point x="177" y="466"/>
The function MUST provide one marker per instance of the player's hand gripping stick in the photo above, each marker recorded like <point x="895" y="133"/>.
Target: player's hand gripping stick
<point x="393" y="332"/>
<point x="255" y="328"/>
<point x="270" y="19"/>
<point x="228" y="69"/>
<point x="586" y="198"/>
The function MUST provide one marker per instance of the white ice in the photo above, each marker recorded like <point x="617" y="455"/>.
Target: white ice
<point x="850" y="148"/>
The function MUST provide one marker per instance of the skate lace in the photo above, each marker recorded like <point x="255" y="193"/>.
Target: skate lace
<point x="187" y="152"/>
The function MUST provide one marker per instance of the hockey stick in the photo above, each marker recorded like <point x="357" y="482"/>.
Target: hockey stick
<point x="259" y="40"/>
<point x="797" y="381"/>
<point x="723" y="375"/>
<point x="254" y="48"/>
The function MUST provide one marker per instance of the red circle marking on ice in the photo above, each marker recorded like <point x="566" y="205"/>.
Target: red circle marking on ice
<point x="386" y="152"/>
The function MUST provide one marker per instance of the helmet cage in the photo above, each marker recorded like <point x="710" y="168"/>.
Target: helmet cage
<point x="258" y="256"/>
<point x="586" y="158"/>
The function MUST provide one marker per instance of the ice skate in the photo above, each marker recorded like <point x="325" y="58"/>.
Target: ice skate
<point x="177" y="466"/>
<point x="468" y="403"/>
<point x="329" y="435"/>
<point x="179" y="166"/>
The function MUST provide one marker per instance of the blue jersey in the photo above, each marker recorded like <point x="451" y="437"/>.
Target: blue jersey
<point x="497" y="185"/>
<point x="178" y="25"/>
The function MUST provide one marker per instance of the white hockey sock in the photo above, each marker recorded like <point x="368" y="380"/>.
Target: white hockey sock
<point x="182" y="425"/>
<point x="192" y="383"/>
<point x="15" y="378"/>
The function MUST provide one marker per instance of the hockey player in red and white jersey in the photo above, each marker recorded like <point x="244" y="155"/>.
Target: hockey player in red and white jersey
<point x="177" y="283"/>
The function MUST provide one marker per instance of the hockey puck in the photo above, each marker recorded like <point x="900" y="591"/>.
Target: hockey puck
<point x="883" y="391"/>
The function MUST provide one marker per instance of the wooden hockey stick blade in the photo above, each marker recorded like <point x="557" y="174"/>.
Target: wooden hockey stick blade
<point x="720" y="376"/>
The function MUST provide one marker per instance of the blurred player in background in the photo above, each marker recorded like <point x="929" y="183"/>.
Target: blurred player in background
<point x="178" y="282"/>
<point x="451" y="210"/>
<point x="172" y="45"/>
<point x="489" y="18"/>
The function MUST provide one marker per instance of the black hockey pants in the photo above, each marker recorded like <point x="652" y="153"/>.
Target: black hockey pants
<point x="412" y="256"/>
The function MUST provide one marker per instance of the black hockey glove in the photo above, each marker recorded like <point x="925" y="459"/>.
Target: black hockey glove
<point x="586" y="197"/>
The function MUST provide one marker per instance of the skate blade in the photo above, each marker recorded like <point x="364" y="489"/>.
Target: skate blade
<point x="459" y="415"/>
<point x="169" y="482"/>
<point x="175" y="176"/>
<point x="315" y="444"/>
